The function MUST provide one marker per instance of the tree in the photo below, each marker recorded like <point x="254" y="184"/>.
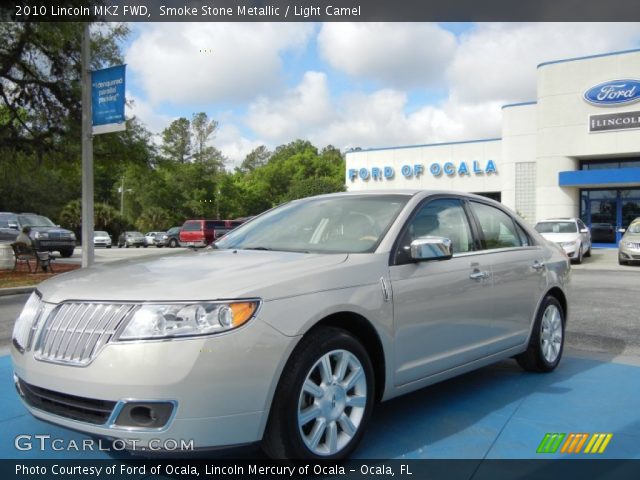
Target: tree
<point x="254" y="159"/>
<point x="176" y="141"/>
<point x="40" y="70"/>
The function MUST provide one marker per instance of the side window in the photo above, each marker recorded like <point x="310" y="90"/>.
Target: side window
<point x="581" y="225"/>
<point x="498" y="229"/>
<point x="443" y="217"/>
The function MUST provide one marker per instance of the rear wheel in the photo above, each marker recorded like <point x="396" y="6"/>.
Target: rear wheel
<point x="173" y="243"/>
<point x="547" y="339"/>
<point x="324" y="398"/>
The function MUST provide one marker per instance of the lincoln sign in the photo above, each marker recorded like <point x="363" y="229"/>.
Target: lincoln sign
<point x="614" y="121"/>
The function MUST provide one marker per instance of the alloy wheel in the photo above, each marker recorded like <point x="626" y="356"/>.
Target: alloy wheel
<point x="332" y="402"/>
<point x="551" y="333"/>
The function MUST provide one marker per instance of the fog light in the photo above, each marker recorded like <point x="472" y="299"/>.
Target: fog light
<point x="144" y="414"/>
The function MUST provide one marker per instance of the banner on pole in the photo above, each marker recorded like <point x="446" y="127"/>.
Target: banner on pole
<point x="107" y="100"/>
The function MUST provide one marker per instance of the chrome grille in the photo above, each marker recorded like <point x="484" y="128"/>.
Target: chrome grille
<point x="633" y="245"/>
<point x="75" y="332"/>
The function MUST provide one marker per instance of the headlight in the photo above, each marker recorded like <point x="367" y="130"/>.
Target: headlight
<point x="568" y="244"/>
<point x="41" y="235"/>
<point x="630" y="244"/>
<point x="179" y="320"/>
<point x="26" y="321"/>
<point x="72" y="236"/>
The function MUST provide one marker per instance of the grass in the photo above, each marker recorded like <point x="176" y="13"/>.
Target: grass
<point x="22" y="278"/>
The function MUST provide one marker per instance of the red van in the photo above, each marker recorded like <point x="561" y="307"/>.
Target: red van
<point x="200" y="233"/>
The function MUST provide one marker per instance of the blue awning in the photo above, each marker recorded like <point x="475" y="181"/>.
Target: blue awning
<point x="598" y="178"/>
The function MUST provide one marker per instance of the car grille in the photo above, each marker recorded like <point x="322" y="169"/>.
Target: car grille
<point x="59" y="236"/>
<point x="74" y="332"/>
<point x="633" y="245"/>
<point x="84" y="409"/>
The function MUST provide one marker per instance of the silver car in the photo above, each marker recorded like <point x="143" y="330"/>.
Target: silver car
<point x="570" y="233"/>
<point x="629" y="247"/>
<point x="292" y="326"/>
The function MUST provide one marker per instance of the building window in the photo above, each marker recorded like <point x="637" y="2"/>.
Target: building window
<point x="526" y="190"/>
<point x="607" y="164"/>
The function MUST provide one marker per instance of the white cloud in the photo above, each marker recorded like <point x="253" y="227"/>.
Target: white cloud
<point x="294" y="113"/>
<point x="395" y="54"/>
<point x="497" y="61"/>
<point x="154" y="121"/>
<point x="233" y="145"/>
<point x="199" y="63"/>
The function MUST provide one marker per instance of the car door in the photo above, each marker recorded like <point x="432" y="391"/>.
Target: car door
<point x="442" y="309"/>
<point x="518" y="272"/>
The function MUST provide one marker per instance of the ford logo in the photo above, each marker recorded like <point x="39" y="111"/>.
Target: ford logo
<point x="614" y="92"/>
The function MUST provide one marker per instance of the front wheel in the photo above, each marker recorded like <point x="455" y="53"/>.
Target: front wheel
<point x="547" y="338"/>
<point x="66" y="253"/>
<point x="324" y="398"/>
<point x="173" y="243"/>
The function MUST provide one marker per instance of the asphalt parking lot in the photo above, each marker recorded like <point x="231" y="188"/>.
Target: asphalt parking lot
<point x="496" y="412"/>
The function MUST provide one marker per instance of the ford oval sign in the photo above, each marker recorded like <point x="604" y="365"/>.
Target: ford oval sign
<point x="614" y="92"/>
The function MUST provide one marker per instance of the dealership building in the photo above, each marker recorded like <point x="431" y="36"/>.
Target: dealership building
<point x="573" y="152"/>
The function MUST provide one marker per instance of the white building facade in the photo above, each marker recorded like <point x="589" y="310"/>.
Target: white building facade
<point x="574" y="152"/>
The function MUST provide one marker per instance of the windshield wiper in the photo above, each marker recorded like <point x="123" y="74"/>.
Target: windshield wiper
<point x="257" y="248"/>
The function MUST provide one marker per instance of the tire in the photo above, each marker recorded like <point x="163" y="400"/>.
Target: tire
<point x="108" y="246"/>
<point x="588" y="252"/>
<point x="126" y="245"/>
<point x="338" y="426"/>
<point x="543" y="355"/>
<point x="622" y="262"/>
<point x="158" y="245"/>
<point x="145" y="246"/>
<point x="66" y="253"/>
<point x="578" y="259"/>
<point x="173" y="243"/>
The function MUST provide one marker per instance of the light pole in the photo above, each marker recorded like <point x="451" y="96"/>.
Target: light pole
<point x="122" y="190"/>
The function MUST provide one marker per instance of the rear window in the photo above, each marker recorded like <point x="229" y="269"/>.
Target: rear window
<point x="192" y="227"/>
<point x="556" y="227"/>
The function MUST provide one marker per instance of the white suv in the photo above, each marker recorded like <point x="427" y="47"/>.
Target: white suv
<point x="570" y="233"/>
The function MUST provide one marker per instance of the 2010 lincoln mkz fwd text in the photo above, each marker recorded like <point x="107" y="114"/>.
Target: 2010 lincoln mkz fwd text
<point x="290" y="328"/>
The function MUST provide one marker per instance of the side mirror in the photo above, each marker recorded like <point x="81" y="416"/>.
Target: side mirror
<point x="584" y="230"/>
<point x="431" y="248"/>
<point x="13" y="225"/>
<point x="622" y="230"/>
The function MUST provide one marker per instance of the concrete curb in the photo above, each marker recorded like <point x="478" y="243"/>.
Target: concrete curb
<point x="16" y="290"/>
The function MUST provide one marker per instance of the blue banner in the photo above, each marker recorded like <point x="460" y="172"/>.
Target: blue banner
<point x="107" y="99"/>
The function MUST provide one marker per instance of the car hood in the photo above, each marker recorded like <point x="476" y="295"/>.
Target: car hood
<point x="631" y="237"/>
<point x="560" y="237"/>
<point x="209" y="275"/>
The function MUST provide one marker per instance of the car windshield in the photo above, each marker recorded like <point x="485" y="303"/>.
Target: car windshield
<point x="556" y="227"/>
<point x="634" y="228"/>
<point x="100" y="234"/>
<point x="35" y="221"/>
<point x="330" y="224"/>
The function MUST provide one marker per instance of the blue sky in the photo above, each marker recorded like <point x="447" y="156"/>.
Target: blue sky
<point x="365" y="84"/>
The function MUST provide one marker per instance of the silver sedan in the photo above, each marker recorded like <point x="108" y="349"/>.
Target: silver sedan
<point x="292" y="326"/>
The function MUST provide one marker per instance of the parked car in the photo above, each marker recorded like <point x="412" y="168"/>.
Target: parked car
<point x="45" y="235"/>
<point x="131" y="239"/>
<point x="200" y="233"/>
<point x="570" y="233"/>
<point x="171" y="238"/>
<point x="154" y="238"/>
<point x="101" y="239"/>
<point x="296" y="323"/>
<point x="629" y="247"/>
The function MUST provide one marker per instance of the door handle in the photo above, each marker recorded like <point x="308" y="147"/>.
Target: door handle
<point x="537" y="265"/>
<point x="478" y="275"/>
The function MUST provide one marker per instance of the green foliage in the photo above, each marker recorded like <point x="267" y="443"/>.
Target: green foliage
<point x="184" y="177"/>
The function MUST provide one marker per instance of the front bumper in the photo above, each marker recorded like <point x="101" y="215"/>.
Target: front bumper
<point x="54" y="245"/>
<point x="628" y="254"/>
<point x="221" y="386"/>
